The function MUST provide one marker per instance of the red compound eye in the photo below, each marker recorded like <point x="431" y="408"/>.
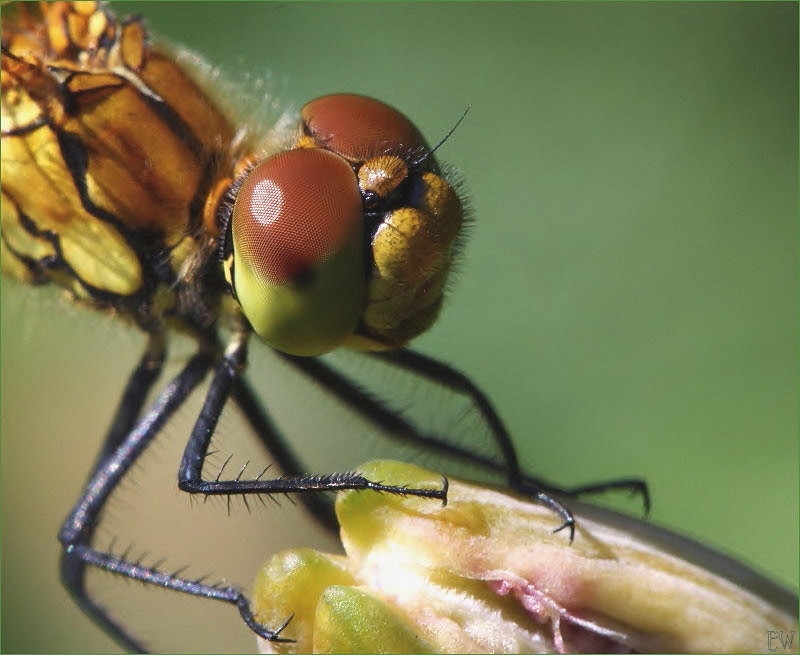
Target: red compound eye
<point x="297" y="243"/>
<point x="293" y="211"/>
<point x="359" y="128"/>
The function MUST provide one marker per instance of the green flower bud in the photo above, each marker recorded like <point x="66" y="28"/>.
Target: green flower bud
<point x="486" y="573"/>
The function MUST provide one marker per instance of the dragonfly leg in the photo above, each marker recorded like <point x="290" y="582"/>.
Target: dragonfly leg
<point x="134" y="396"/>
<point x="73" y="570"/>
<point x="386" y="419"/>
<point x="226" y="383"/>
<point x="453" y="379"/>
<point x="190" y="479"/>
<point x="319" y="506"/>
<point x="119" y="454"/>
<point x="128" y="438"/>
<point x="396" y="426"/>
<point x="77" y="531"/>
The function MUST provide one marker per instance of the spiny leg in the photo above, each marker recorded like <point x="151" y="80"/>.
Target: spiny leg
<point x="453" y="379"/>
<point x="381" y="416"/>
<point x="223" y="384"/>
<point x="119" y="455"/>
<point x="130" y="407"/>
<point x="77" y="531"/>
<point x="276" y="444"/>
<point x="393" y="424"/>
<point x="128" y="411"/>
<point x="227" y="370"/>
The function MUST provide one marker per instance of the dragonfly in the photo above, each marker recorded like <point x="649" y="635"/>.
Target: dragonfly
<point x="129" y="183"/>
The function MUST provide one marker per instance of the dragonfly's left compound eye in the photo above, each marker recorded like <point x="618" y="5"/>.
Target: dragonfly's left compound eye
<point x="297" y="232"/>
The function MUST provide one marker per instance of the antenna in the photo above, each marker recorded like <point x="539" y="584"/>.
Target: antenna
<point x="445" y="137"/>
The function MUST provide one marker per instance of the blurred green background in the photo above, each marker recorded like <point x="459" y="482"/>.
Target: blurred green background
<point x="628" y="295"/>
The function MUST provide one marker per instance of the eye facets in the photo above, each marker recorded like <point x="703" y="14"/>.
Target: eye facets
<point x="297" y="233"/>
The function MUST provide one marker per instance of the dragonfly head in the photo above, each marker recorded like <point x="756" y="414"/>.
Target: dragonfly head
<point x="346" y="239"/>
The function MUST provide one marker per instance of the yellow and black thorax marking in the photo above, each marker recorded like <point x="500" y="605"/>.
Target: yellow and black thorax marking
<point x="109" y="150"/>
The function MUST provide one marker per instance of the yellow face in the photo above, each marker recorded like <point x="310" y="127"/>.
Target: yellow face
<point x="120" y="182"/>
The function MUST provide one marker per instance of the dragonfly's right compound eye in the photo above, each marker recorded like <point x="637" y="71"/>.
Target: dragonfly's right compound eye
<point x="359" y="128"/>
<point x="298" y="262"/>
